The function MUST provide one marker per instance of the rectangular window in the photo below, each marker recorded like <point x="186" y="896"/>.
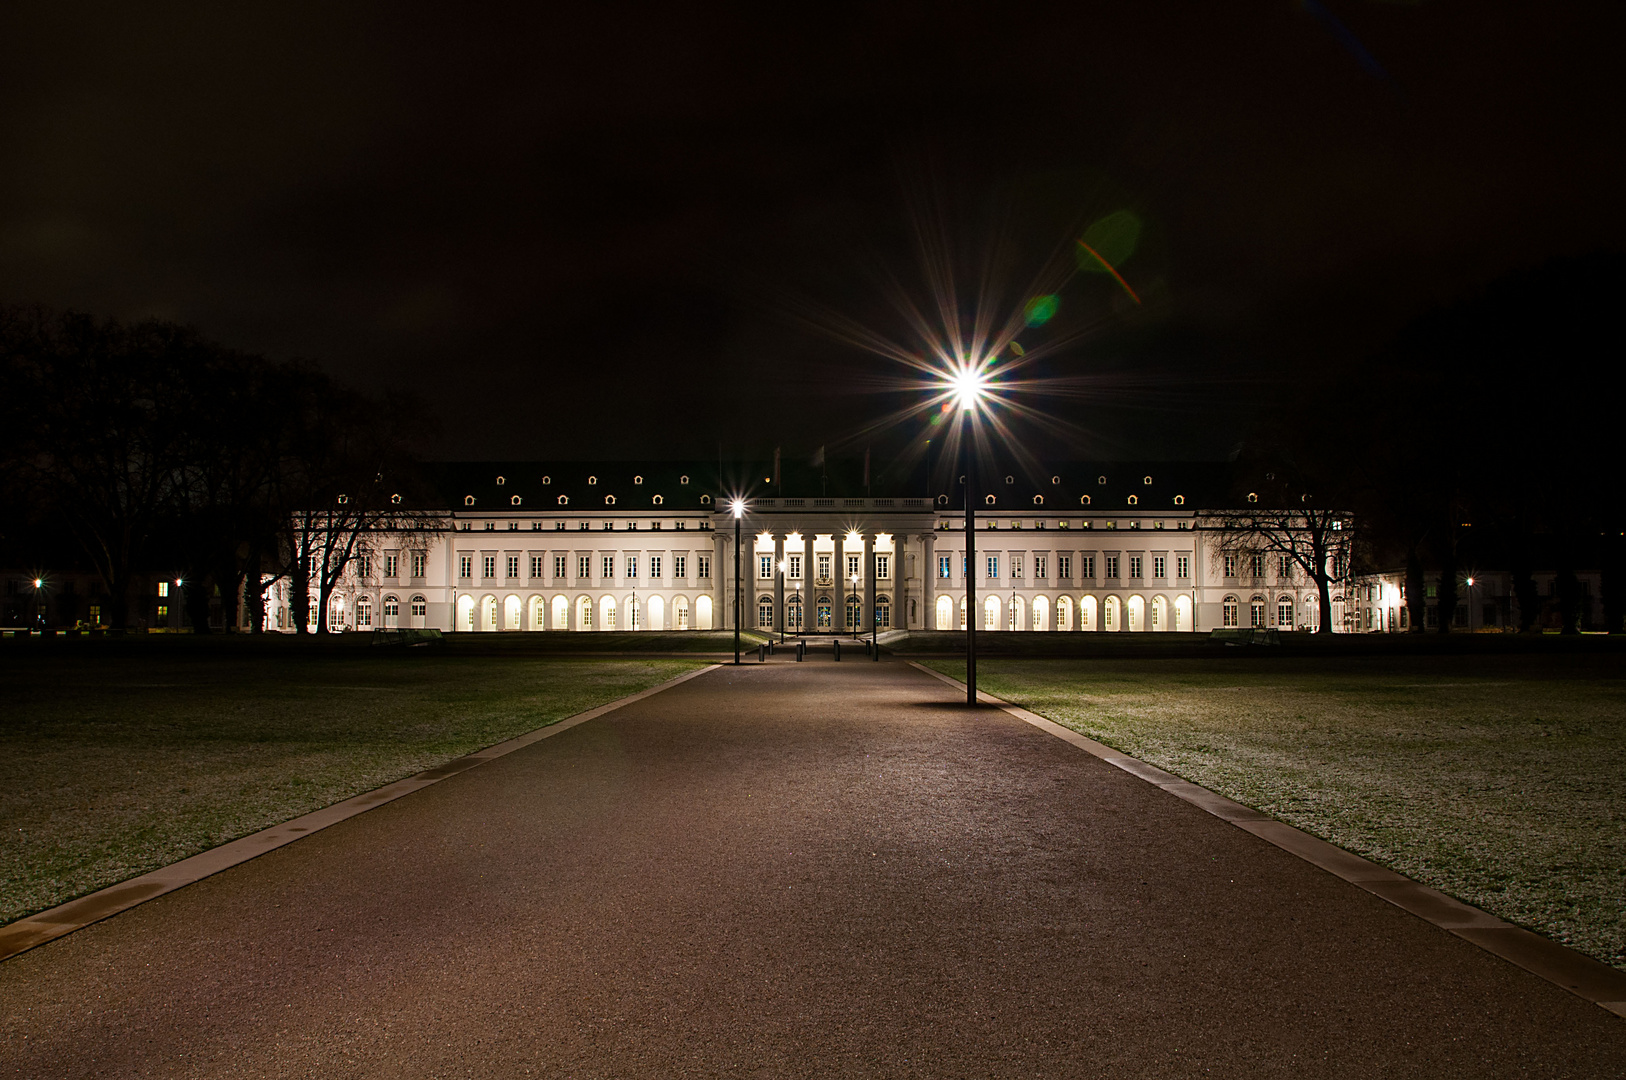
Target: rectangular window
<point x="1016" y="567"/>
<point x="883" y="567"/>
<point x="1112" y="566"/>
<point x="1064" y="568"/>
<point x="795" y="570"/>
<point x="558" y="526"/>
<point x="943" y="566"/>
<point x="584" y="568"/>
<point x="654" y="568"/>
<point x="993" y="567"/>
<point x="679" y="566"/>
<point x="512" y="567"/>
<point x="632" y="567"/>
<point x="764" y="566"/>
<point x="488" y="566"/>
<point x="163" y="588"/>
<point x="364" y="565"/>
<point x="465" y="566"/>
<point x="391" y="562"/>
<point x="1040" y="565"/>
<point x="608" y="567"/>
<point x="1257" y="564"/>
<point x="536" y="567"/>
<point x="1135" y="565"/>
<point x="1284" y="567"/>
<point x="702" y="566"/>
<point x="420" y="606"/>
<point x="558" y="567"/>
<point x="1182" y="566"/>
<point x="1160" y="567"/>
<point x="852" y="566"/>
<point x="163" y="612"/>
<point x="417" y="564"/>
<point x="1230" y="566"/>
<point x="824" y="567"/>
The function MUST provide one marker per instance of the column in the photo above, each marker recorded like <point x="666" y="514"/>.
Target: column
<point x="928" y="582"/>
<point x="808" y="571"/>
<point x="722" y="595"/>
<point x="779" y="579"/>
<point x="838" y="575"/>
<point x="866" y="566"/>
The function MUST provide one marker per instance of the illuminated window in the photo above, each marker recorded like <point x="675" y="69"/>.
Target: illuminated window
<point x="765" y="612"/>
<point x="943" y="567"/>
<point x="1230" y="611"/>
<point x="1016" y="567"/>
<point x="883" y="567"/>
<point x="764" y="566"/>
<point x="993" y="567"/>
<point x="163" y="588"/>
<point x="420" y="607"/>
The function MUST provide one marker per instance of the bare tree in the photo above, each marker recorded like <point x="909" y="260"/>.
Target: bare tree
<point x="1319" y="541"/>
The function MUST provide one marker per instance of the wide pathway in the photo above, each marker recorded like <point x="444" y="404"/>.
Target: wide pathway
<point x="786" y="870"/>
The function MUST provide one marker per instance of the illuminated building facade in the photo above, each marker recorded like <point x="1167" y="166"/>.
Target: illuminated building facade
<point x="624" y="546"/>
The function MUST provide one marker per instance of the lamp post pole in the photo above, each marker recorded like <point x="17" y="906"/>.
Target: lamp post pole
<point x="739" y="512"/>
<point x="780" y="597"/>
<point x="874" y="613"/>
<point x="970" y="568"/>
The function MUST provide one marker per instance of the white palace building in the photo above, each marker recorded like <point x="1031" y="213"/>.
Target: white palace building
<point x="526" y="547"/>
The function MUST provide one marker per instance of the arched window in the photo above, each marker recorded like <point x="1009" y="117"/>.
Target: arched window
<point x="1038" y="500"/>
<point x="990" y="613"/>
<point x="823" y="612"/>
<point x="702" y="613"/>
<point x="855" y="607"/>
<point x="990" y="500"/>
<point x="419" y="611"/>
<point x="1109" y="614"/>
<point x="515" y="501"/>
<point x="1256" y="611"/>
<point x="635" y="614"/>
<point x="606" y="612"/>
<point x="1064" y="613"/>
<point x="1159" y="614"/>
<point x="584" y="613"/>
<point x="510" y="613"/>
<point x="680" y="608"/>
<point x="1137" y="615"/>
<point x="1083" y="500"/>
<point x="564" y="500"/>
<point x="657" y="613"/>
<point x="1134" y="500"/>
<point x="561" y="613"/>
<point x="538" y="611"/>
<point x="364" y="613"/>
<point x="765" y="612"/>
<point x="488" y="613"/>
<point x="883" y="612"/>
<point x="1016" y="613"/>
<point x="658" y="500"/>
<point x="468" y="500"/>
<point x="1182" y="614"/>
<point x="1041" y="613"/>
<point x="392" y="612"/>
<point x="1230" y="610"/>
<point x="1284" y="612"/>
<point x="945" y="613"/>
<point x="465" y="612"/>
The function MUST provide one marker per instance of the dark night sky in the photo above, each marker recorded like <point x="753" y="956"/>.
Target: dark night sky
<point x="576" y="232"/>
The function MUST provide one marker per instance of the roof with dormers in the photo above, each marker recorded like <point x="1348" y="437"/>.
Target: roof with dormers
<point x="693" y="486"/>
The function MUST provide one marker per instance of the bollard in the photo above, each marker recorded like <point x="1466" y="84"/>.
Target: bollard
<point x="801" y="649"/>
<point x="838" y="652"/>
<point x="762" y="653"/>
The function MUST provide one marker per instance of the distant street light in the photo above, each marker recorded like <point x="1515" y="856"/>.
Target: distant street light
<point x="738" y="506"/>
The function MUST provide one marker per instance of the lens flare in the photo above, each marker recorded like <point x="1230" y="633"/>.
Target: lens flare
<point x="1040" y="310"/>
<point x="1096" y="255"/>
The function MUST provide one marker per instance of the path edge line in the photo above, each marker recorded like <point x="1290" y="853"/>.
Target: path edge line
<point x="48" y="925"/>
<point x="1558" y="964"/>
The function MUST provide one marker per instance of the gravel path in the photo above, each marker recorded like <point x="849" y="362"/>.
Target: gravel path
<point x="786" y="870"/>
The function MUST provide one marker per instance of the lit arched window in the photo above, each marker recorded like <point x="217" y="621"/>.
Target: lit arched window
<point x="515" y="501"/>
<point x="658" y="500"/>
<point x="989" y="500"/>
<point x="1256" y="611"/>
<point x="1179" y="500"/>
<point x="1134" y="500"/>
<point x="1038" y="500"/>
<point x="1083" y="500"/>
<point x="1284" y="612"/>
<point x="468" y="500"/>
<point x="564" y="500"/>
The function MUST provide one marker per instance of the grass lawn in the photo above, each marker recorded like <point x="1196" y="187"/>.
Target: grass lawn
<point x="1498" y="779"/>
<point x="115" y="761"/>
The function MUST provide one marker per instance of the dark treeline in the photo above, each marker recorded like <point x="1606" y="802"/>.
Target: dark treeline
<point x="145" y="446"/>
<point x="1485" y="437"/>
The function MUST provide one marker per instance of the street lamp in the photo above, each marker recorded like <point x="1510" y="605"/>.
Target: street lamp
<point x="968" y="386"/>
<point x="738" y="506"/>
<point x="1470" y="584"/>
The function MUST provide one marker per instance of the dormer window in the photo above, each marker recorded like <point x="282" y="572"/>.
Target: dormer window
<point x="1179" y="500"/>
<point x="609" y="500"/>
<point x="564" y="500"/>
<point x="637" y="479"/>
<point x="658" y="500"/>
<point x="989" y="500"/>
<point x="1148" y="481"/>
<point x="1083" y="500"/>
<point x="684" y="480"/>
<point x="1038" y="500"/>
<point x="1134" y="500"/>
<point x="468" y="500"/>
<point x="592" y="480"/>
<point x="515" y="501"/>
<point x="501" y="481"/>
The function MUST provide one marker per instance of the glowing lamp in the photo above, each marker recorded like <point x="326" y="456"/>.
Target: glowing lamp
<point x="738" y="506"/>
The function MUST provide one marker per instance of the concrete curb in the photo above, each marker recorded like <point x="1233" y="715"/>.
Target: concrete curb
<point x="48" y="925"/>
<point x="1558" y="964"/>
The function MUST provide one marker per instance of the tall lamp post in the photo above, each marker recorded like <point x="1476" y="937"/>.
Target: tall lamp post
<point x="780" y="597"/>
<point x="969" y="386"/>
<point x="738" y="507"/>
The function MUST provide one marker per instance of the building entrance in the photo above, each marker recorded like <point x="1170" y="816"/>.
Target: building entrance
<point x="822" y="612"/>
